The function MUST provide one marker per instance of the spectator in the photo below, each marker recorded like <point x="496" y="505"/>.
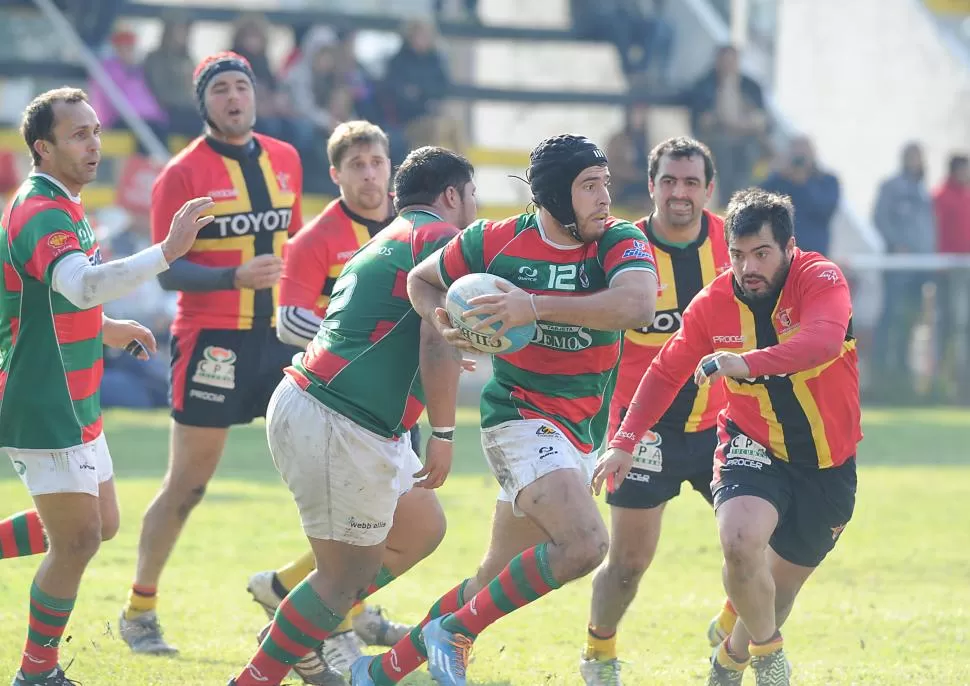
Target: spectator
<point x="470" y="13"/>
<point x="904" y="217"/>
<point x="169" y="73"/>
<point x="728" y="113"/>
<point x="814" y="193"/>
<point x="128" y="75"/>
<point x="951" y="201"/>
<point x="417" y="81"/>
<point x="628" y="151"/>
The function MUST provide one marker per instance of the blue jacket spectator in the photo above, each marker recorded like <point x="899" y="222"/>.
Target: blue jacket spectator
<point x="814" y="193"/>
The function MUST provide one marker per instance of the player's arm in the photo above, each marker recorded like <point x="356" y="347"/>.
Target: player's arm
<point x="128" y="335"/>
<point x="665" y="376"/>
<point x="426" y="289"/>
<point x="86" y="285"/>
<point x="306" y="265"/>
<point x="825" y="311"/>
<point x="440" y="367"/>
<point x="628" y="302"/>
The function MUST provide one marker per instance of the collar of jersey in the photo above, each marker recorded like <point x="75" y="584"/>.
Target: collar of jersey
<point x="240" y="153"/>
<point x="60" y="186"/>
<point x="548" y="241"/>
<point x="661" y="244"/>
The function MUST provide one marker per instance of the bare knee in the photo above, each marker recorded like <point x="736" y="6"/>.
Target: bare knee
<point x="743" y="550"/>
<point x="80" y="544"/>
<point x="583" y="551"/>
<point x="628" y="564"/>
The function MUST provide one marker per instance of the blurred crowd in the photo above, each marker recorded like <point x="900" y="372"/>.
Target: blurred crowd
<point x="322" y="82"/>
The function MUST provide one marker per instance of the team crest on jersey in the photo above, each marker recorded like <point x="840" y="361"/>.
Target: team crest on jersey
<point x="647" y="454"/>
<point x="583" y="277"/>
<point x="784" y="317"/>
<point x="638" y="251"/>
<point x="283" y="179"/>
<point x="59" y="240"/>
<point x="216" y="368"/>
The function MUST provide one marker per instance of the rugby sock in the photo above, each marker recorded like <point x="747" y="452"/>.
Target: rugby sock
<point x="772" y="645"/>
<point x="409" y="653"/>
<point x="289" y="575"/>
<point x="48" y="619"/>
<point x="141" y="599"/>
<point x="727" y="618"/>
<point x="527" y="578"/>
<point x="726" y="659"/>
<point x="22" y="535"/>
<point x="599" y="646"/>
<point x="384" y="577"/>
<point x="301" y="624"/>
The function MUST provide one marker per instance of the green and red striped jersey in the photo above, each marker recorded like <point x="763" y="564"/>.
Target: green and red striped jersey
<point x="51" y="357"/>
<point x="363" y="362"/>
<point x="567" y="374"/>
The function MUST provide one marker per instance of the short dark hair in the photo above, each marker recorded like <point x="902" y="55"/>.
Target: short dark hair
<point x="38" y="122"/>
<point x="958" y="162"/>
<point x="351" y="133"/>
<point x="678" y="148"/>
<point x="749" y="210"/>
<point x="426" y="173"/>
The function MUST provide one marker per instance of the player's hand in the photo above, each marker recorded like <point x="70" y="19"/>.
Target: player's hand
<point x="611" y="467"/>
<point x="512" y="308"/>
<point x="118" y="333"/>
<point x="718" y="365"/>
<point x="185" y="226"/>
<point x="468" y="364"/>
<point x="437" y="463"/>
<point x="450" y="333"/>
<point x="263" y="271"/>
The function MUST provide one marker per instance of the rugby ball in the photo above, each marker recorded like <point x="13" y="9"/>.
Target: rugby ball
<point x="456" y="303"/>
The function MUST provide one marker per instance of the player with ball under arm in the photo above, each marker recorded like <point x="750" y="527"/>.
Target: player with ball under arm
<point x="583" y="277"/>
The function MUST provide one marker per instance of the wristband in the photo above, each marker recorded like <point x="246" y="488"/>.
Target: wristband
<point x="448" y="436"/>
<point x="532" y="301"/>
<point x="442" y="429"/>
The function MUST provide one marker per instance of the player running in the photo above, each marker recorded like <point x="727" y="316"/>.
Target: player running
<point x="687" y="243"/>
<point x="226" y="359"/>
<point x="778" y="330"/>
<point x="314" y="258"/>
<point x="52" y="329"/>
<point x="337" y="423"/>
<point x="584" y="277"/>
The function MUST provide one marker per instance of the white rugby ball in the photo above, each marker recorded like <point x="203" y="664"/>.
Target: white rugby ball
<point x="456" y="303"/>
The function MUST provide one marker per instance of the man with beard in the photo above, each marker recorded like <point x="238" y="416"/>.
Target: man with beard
<point x="226" y="359"/>
<point x="687" y="243"/>
<point x="778" y="329"/>
<point x="583" y="277"/>
<point x="314" y="259"/>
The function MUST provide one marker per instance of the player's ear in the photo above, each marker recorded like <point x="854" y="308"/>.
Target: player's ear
<point x="452" y="197"/>
<point x="334" y="175"/>
<point x="790" y="246"/>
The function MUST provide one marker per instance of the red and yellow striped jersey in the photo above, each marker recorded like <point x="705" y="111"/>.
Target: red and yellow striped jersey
<point x="257" y="196"/>
<point x="809" y="415"/>
<point x="315" y="257"/>
<point x="682" y="273"/>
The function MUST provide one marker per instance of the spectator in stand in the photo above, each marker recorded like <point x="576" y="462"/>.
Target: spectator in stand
<point x="904" y="216"/>
<point x="470" y="13"/>
<point x="628" y="151"/>
<point x="813" y="192"/>
<point x="168" y="70"/>
<point x="128" y="74"/>
<point x="951" y="202"/>
<point x="417" y="82"/>
<point x="275" y="113"/>
<point x="728" y="113"/>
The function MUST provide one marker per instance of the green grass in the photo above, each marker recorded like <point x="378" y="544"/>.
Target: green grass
<point x="890" y="606"/>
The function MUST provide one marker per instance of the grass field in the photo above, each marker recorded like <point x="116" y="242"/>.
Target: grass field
<point x="890" y="606"/>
